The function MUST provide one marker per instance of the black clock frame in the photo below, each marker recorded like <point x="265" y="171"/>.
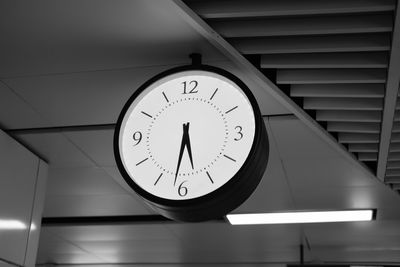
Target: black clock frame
<point x="227" y="197"/>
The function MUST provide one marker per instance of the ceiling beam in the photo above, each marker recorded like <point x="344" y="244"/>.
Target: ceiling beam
<point x="259" y="78"/>
<point x="392" y="87"/>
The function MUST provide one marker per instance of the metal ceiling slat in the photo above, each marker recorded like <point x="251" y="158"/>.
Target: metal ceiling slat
<point x="396" y="116"/>
<point x="330" y="76"/>
<point x="395" y="138"/>
<point x="348" y="115"/>
<point x="393" y="165"/>
<point x="368" y="156"/>
<point x="338" y="90"/>
<point x="394" y="147"/>
<point x="392" y="173"/>
<point x="343" y="24"/>
<point x="325" y="60"/>
<point x="392" y="180"/>
<point x="394" y="156"/>
<point x="395" y="128"/>
<point x="210" y="9"/>
<point x="396" y="186"/>
<point x="363" y="147"/>
<point x="397" y="104"/>
<point x="351" y="127"/>
<point x="313" y="44"/>
<point x="318" y="103"/>
<point x="353" y="138"/>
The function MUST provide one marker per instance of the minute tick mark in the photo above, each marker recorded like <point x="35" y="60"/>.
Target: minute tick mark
<point x="231" y="109"/>
<point x="209" y="177"/>
<point x="229" y="158"/>
<point x="137" y="164"/>
<point x="165" y="97"/>
<point x="214" y="94"/>
<point x="147" y="114"/>
<point x="158" y="179"/>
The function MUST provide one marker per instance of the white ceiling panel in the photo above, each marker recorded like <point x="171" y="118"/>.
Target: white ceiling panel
<point x="56" y="149"/>
<point x="93" y="205"/>
<point x="54" y="244"/>
<point x="135" y="232"/>
<point x="213" y="235"/>
<point x="355" y="235"/>
<point x="82" y="98"/>
<point x="81" y="181"/>
<point x="68" y="36"/>
<point x="327" y="172"/>
<point x="295" y="140"/>
<point x="69" y="258"/>
<point x="273" y="192"/>
<point x="116" y="175"/>
<point x="358" y="256"/>
<point x="137" y="247"/>
<point x="191" y="264"/>
<point x="97" y="144"/>
<point x="15" y="112"/>
<point x="362" y="197"/>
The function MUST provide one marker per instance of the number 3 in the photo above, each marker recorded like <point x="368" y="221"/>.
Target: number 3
<point x="239" y="131"/>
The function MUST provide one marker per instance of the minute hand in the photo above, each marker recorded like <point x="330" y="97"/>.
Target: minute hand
<point x="183" y="144"/>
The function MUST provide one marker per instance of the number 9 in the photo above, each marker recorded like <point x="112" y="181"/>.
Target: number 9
<point x="137" y="136"/>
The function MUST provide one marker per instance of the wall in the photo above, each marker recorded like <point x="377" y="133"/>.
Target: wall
<point x="22" y="189"/>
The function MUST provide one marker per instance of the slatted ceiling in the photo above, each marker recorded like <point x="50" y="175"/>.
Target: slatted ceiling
<point x="325" y="60"/>
<point x="330" y="76"/>
<point x="393" y="165"/>
<point x="349" y="127"/>
<point x="341" y="24"/>
<point x="210" y="9"/>
<point x="318" y="103"/>
<point x="351" y="116"/>
<point x="368" y="156"/>
<point x="338" y="90"/>
<point x="331" y="56"/>
<point x="358" y="138"/>
<point x="313" y="44"/>
<point x="363" y="148"/>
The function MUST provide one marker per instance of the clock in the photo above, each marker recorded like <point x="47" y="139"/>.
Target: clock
<point x="192" y="143"/>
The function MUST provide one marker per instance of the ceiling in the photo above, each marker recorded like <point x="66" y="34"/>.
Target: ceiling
<point x="68" y="67"/>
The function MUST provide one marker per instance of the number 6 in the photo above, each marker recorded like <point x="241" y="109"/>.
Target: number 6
<point x="182" y="190"/>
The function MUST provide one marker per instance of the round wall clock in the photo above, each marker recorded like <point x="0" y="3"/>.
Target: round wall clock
<point x="192" y="143"/>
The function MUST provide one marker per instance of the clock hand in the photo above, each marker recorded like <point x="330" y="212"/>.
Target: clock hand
<point x="183" y="144"/>
<point x="186" y="133"/>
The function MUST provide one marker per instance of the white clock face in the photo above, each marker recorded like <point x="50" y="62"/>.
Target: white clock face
<point x="186" y="135"/>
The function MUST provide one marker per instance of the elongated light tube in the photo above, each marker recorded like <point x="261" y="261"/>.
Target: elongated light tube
<point x="301" y="217"/>
<point x="12" y="225"/>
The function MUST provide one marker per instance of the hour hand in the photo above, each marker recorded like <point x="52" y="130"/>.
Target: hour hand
<point x="186" y="134"/>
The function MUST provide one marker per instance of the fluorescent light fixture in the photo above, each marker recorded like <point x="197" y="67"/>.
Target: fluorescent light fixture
<point x="301" y="217"/>
<point x="12" y="225"/>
